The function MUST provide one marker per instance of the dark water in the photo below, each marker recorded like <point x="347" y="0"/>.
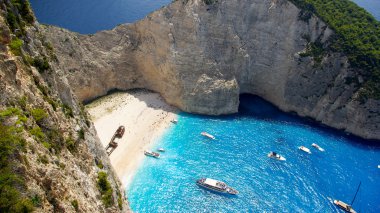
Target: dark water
<point x="372" y="6"/>
<point x="238" y="156"/>
<point x="90" y="16"/>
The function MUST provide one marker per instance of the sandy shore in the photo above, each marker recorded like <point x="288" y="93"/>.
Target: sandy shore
<point x="145" y="116"/>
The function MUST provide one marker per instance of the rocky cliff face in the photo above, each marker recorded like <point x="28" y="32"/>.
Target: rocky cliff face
<point x="51" y="156"/>
<point x="201" y="57"/>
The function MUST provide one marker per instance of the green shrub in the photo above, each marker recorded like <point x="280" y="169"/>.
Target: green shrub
<point x="315" y="50"/>
<point x="119" y="200"/>
<point x="71" y="145"/>
<point x="9" y="112"/>
<point x="99" y="164"/>
<point x="81" y="134"/>
<point x="22" y="102"/>
<point x="46" y="145"/>
<point x="12" y="20"/>
<point x="38" y="114"/>
<point x="15" y="46"/>
<point x="23" y="7"/>
<point x="11" y="184"/>
<point x="56" y="139"/>
<point x="36" y="200"/>
<point x="43" y="159"/>
<point x="105" y="189"/>
<point x="42" y="64"/>
<point x="38" y="134"/>
<point x="67" y="110"/>
<point x="75" y="204"/>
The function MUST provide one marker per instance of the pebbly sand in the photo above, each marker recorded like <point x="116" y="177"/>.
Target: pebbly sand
<point x="145" y="116"/>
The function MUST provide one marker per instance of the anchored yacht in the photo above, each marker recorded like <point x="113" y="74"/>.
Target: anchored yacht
<point x="208" y="135"/>
<point x="302" y="148"/>
<point x="217" y="186"/>
<point x="276" y="156"/>
<point x="151" y="154"/>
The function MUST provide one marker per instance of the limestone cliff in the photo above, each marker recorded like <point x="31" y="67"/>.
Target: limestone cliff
<point x="51" y="157"/>
<point x="201" y="57"/>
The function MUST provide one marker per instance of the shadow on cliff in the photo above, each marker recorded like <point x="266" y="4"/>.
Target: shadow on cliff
<point x="254" y="106"/>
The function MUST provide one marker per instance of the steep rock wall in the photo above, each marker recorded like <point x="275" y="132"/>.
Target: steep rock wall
<point x="57" y="168"/>
<point x="201" y="57"/>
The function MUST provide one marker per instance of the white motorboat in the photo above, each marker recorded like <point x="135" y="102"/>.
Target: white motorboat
<point x="317" y="147"/>
<point x="151" y="154"/>
<point x="161" y="149"/>
<point x="378" y="166"/>
<point x="346" y="207"/>
<point x="217" y="186"/>
<point x="208" y="135"/>
<point x="307" y="150"/>
<point x="175" y="121"/>
<point x="276" y="156"/>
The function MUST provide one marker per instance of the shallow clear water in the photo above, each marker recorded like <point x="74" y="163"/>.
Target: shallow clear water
<point x="90" y="16"/>
<point x="303" y="183"/>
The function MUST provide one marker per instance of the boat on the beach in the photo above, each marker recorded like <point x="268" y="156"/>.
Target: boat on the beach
<point x="112" y="145"/>
<point x="208" y="135"/>
<point x="302" y="148"/>
<point x="120" y="132"/>
<point x="151" y="154"/>
<point x="276" y="156"/>
<point x="174" y="121"/>
<point x="216" y="185"/>
<point x="161" y="149"/>
<point x="346" y="207"/>
<point x="317" y="147"/>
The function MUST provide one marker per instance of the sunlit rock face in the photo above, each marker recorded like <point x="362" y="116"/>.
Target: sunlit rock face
<point x="201" y="57"/>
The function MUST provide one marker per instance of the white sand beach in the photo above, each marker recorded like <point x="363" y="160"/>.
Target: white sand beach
<point x="145" y="116"/>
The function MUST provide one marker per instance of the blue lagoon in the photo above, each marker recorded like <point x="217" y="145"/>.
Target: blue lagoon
<point x="238" y="156"/>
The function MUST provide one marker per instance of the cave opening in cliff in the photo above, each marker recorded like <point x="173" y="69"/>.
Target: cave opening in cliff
<point x="258" y="107"/>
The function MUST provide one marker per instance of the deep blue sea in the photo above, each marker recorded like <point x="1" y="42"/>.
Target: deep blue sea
<point x="238" y="156"/>
<point x="90" y="16"/>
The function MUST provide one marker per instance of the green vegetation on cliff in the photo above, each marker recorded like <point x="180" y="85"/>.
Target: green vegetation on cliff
<point x="105" y="189"/>
<point x="11" y="182"/>
<point x="358" y="36"/>
<point x="19" y="15"/>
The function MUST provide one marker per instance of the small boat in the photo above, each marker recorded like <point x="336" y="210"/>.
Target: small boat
<point x="217" y="186"/>
<point x="344" y="206"/>
<point x="151" y="154"/>
<point x="161" y="149"/>
<point x="175" y="121"/>
<point x="317" y="147"/>
<point x="208" y="135"/>
<point x="378" y="166"/>
<point x="276" y="156"/>
<point x="120" y="132"/>
<point x="307" y="150"/>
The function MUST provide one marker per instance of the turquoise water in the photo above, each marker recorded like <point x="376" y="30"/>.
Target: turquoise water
<point x="303" y="183"/>
<point x="90" y="16"/>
